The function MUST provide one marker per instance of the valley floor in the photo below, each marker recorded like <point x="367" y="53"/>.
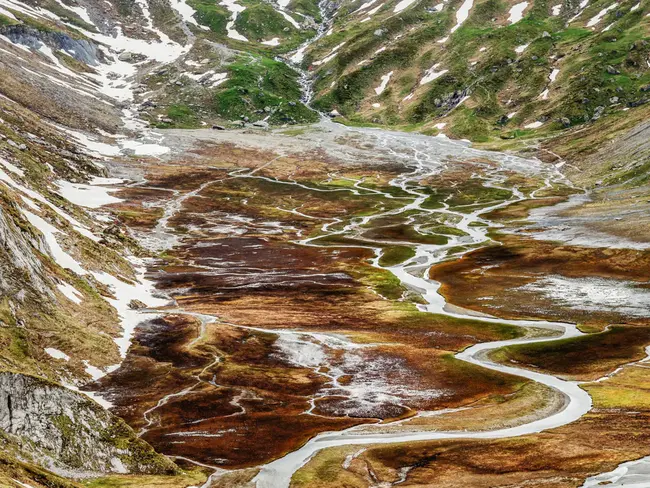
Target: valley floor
<point x="304" y="269"/>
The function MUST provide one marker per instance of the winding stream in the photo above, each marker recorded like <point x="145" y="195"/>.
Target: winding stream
<point x="413" y="274"/>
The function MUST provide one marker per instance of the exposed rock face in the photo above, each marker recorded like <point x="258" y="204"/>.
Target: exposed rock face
<point x="81" y="49"/>
<point x="68" y="433"/>
<point x="17" y="259"/>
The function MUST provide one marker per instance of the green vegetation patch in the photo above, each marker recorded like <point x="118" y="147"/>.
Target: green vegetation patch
<point x="261" y="21"/>
<point x="395" y="255"/>
<point x="592" y="355"/>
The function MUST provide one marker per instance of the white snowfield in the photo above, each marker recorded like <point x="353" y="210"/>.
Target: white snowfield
<point x="332" y="54"/>
<point x="522" y="48"/>
<point x="462" y="14"/>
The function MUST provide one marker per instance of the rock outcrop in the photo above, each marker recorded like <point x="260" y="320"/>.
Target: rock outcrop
<point x="68" y="433"/>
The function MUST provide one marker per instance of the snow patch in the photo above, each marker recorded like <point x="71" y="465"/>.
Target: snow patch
<point x="330" y="56"/>
<point x="235" y="9"/>
<point x="462" y="14"/>
<point x="56" y="354"/>
<point x="404" y="4"/>
<point x="384" y="82"/>
<point x="185" y="11"/>
<point x="89" y="196"/>
<point x="49" y="232"/>
<point x="431" y="74"/>
<point x="522" y="48"/>
<point x="594" y="294"/>
<point x="533" y="125"/>
<point x="12" y="168"/>
<point x="70" y="292"/>
<point x="517" y="12"/>
<point x="599" y="16"/>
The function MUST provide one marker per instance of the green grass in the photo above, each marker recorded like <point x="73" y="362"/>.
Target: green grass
<point x="261" y="22"/>
<point x="4" y="20"/>
<point x="183" y="116"/>
<point x="395" y="255"/>
<point x="211" y="14"/>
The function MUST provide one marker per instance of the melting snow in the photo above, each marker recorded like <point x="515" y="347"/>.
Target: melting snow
<point x="521" y="49"/>
<point x="6" y="13"/>
<point x="556" y="9"/>
<point x="4" y="177"/>
<point x="632" y="474"/>
<point x="594" y="294"/>
<point x="431" y="74"/>
<point x="364" y="6"/>
<point x="56" y="354"/>
<point x="70" y="292"/>
<point x="185" y="11"/>
<point x="12" y="168"/>
<point x="581" y="7"/>
<point x="533" y="125"/>
<point x="299" y="55"/>
<point x="384" y="82"/>
<point x="404" y="4"/>
<point x="272" y="42"/>
<point x="94" y="372"/>
<point x="598" y="17"/>
<point x="144" y="149"/>
<point x="330" y="56"/>
<point x="49" y="232"/>
<point x="89" y="196"/>
<point x="141" y="290"/>
<point x="517" y="12"/>
<point x="289" y="19"/>
<point x="235" y="9"/>
<point x="462" y="14"/>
